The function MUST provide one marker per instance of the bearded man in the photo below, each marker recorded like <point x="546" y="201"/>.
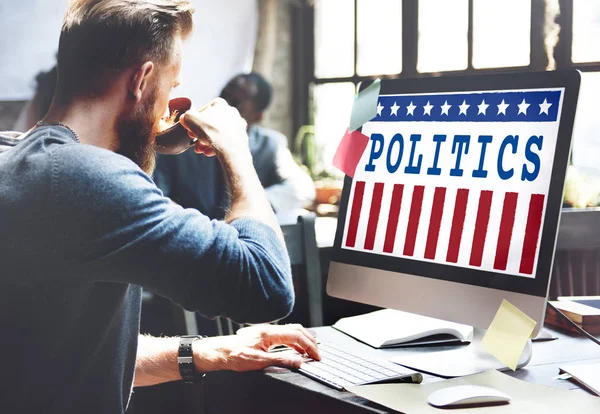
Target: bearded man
<point x="84" y="228"/>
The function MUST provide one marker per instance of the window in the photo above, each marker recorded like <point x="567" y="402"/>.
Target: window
<point x="333" y="103"/>
<point x="379" y="30"/>
<point x="354" y="39"/>
<point x="357" y="40"/>
<point x="586" y="31"/>
<point x="334" y="38"/>
<point x="586" y="132"/>
<point x="501" y="33"/>
<point x="443" y="29"/>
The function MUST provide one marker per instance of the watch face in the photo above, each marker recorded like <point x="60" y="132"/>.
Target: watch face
<point x="185" y="359"/>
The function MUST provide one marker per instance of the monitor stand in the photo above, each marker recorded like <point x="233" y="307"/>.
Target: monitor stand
<point x="458" y="362"/>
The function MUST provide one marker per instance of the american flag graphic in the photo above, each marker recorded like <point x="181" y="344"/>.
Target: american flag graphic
<point x="456" y="178"/>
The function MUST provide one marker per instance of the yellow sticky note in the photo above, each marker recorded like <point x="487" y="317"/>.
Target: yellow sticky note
<point x="508" y="333"/>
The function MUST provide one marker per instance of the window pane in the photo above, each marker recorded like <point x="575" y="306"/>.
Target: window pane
<point x="443" y="28"/>
<point x="586" y="133"/>
<point x="586" y="31"/>
<point x="332" y="106"/>
<point x="501" y="33"/>
<point x="379" y="37"/>
<point x="334" y="38"/>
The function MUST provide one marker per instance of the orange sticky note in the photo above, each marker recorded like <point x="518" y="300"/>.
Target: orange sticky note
<point x="350" y="151"/>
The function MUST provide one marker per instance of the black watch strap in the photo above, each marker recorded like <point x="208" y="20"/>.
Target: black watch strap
<point x="185" y="359"/>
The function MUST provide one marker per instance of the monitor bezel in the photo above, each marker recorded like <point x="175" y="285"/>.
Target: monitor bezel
<point x="538" y="286"/>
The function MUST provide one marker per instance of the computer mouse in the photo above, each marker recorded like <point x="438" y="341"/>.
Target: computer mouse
<point x="459" y="395"/>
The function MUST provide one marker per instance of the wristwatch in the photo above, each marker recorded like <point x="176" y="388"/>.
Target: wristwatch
<point x="185" y="359"/>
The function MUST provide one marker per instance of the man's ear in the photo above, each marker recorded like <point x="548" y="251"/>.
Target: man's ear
<point x="139" y="80"/>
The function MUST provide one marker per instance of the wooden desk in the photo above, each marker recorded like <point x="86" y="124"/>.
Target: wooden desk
<point x="283" y="391"/>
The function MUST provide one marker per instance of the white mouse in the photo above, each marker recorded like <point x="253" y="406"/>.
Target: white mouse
<point x="465" y="395"/>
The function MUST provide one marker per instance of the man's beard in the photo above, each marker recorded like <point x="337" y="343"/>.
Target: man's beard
<point x="137" y="134"/>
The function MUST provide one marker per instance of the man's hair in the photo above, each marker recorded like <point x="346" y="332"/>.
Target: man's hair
<point x="264" y="90"/>
<point x="100" y="38"/>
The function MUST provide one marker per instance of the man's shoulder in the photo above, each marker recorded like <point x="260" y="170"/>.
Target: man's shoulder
<point x="8" y="139"/>
<point x="44" y="139"/>
<point x="89" y="155"/>
<point x="81" y="167"/>
<point x="98" y="169"/>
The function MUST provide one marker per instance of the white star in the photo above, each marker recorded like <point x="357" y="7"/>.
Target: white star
<point x="410" y="109"/>
<point x="394" y="109"/>
<point x="523" y="107"/>
<point x="544" y="106"/>
<point x="482" y="107"/>
<point x="379" y="108"/>
<point x="427" y="109"/>
<point x="502" y="108"/>
<point x="445" y="108"/>
<point x="463" y="108"/>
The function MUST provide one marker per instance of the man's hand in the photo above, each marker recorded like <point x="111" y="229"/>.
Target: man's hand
<point x="219" y="128"/>
<point x="249" y="349"/>
<point x="221" y="131"/>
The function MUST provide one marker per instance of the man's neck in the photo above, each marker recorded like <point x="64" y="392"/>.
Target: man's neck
<point x="94" y="121"/>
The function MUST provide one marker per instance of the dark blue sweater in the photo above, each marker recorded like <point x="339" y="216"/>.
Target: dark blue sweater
<point x="82" y="229"/>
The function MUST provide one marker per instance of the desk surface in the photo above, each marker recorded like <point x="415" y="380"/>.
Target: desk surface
<point x="279" y="390"/>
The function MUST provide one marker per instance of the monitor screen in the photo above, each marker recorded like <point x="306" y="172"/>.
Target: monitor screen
<point x="462" y="181"/>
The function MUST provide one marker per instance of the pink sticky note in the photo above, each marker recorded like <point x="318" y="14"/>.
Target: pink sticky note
<point x="349" y="151"/>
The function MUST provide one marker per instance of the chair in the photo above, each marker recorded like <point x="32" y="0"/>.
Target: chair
<point x="302" y="247"/>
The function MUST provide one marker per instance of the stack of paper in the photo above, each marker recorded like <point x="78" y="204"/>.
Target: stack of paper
<point x="586" y="374"/>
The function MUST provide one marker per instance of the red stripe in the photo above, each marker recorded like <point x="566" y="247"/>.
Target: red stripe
<point x="413" y="220"/>
<point x="532" y="232"/>
<point x="458" y="221"/>
<point x="437" y="209"/>
<point x="481" y="224"/>
<point x="506" y="228"/>
<point x="392" y="226"/>
<point x="374" y="216"/>
<point x="359" y="191"/>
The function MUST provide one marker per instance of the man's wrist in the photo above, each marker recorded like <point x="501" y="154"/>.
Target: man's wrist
<point x="185" y="359"/>
<point x="240" y="174"/>
<point x="236" y="161"/>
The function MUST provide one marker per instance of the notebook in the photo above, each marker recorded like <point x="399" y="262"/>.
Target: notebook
<point x="586" y="374"/>
<point x="389" y="328"/>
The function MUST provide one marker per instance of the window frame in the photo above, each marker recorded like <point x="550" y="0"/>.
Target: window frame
<point x="304" y="56"/>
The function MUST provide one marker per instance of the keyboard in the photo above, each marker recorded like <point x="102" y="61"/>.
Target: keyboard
<point x="340" y="368"/>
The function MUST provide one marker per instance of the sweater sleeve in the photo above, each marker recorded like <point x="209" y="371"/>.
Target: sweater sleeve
<point x="117" y="226"/>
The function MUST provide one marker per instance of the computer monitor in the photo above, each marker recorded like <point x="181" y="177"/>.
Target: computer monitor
<point x="456" y="201"/>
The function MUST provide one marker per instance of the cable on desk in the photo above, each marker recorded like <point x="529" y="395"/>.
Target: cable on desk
<point x="577" y="327"/>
